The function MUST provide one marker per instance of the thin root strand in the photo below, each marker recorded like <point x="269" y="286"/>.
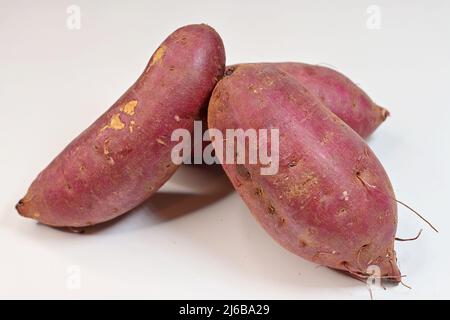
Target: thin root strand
<point x="358" y="175"/>
<point x="410" y="239"/>
<point x="405" y="285"/>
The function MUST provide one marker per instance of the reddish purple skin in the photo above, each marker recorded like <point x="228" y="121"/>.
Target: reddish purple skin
<point x="339" y="94"/>
<point x="319" y="205"/>
<point x="106" y="171"/>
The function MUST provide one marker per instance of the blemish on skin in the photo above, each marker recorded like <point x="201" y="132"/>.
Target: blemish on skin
<point x="242" y="171"/>
<point x="183" y="40"/>
<point x="345" y="196"/>
<point x="268" y="81"/>
<point x="258" y="192"/>
<point x="177" y="118"/>
<point x="229" y="71"/>
<point x="129" y="107"/>
<point x="106" y="152"/>
<point x="366" y="152"/>
<point x="302" y="243"/>
<point x="36" y="215"/>
<point x="303" y="187"/>
<point x="161" y="142"/>
<point x="326" y="138"/>
<point x="82" y="168"/>
<point x="257" y="90"/>
<point x="342" y="212"/>
<point x="105" y="147"/>
<point x="271" y="210"/>
<point x="115" y="123"/>
<point x="132" y="124"/>
<point x="292" y="164"/>
<point x="158" y="55"/>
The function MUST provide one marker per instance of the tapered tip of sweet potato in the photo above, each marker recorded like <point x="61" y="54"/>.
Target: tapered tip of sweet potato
<point x="396" y="276"/>
<point x="20" y="207"/>
<point x="390" y="271"/>
<point x="384" y="268"/>
<point x="23" y="208"/>
<point x="392" y="276"/>
<point x="383" y="112"/>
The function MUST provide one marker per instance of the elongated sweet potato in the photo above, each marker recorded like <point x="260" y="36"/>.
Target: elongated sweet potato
<point x="330" y="201"/>
<point x="339" y="94"/>
<point x="125" y="156"/>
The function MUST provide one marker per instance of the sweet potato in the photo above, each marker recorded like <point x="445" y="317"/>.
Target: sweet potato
<point x="339" y="94"/>
<point x="331" y="201"/>
<point x="125" y="156"/>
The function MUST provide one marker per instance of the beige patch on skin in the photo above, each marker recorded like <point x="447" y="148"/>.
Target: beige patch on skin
<point x="105" y="147"/>
<point x="36" y="215"/>
<point x="129" y="107"/>
<point x="177" y="118"/>
<point x="268" y="81"/>
<point x="303" y="187"/>
<point x="159" y="54"/>
<point x="132" y="125"/>
<point x="161" y="141"/>
<point x="106" y="151"/>
<point x="115" y="123"/>
<point x="327" y="137"/>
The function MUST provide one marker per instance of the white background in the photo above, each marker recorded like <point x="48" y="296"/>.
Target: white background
<point x="196" y="238"/>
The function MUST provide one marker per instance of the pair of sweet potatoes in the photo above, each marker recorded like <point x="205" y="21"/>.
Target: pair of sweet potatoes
<point x="330" y="201"/>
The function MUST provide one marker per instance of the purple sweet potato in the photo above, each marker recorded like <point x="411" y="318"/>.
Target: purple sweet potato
<point x="339" y="94"/>
<point x="331" y="201"/>
<point x="125" y="156"/>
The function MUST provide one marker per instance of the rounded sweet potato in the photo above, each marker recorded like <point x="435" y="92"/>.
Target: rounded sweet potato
<point x="338" y="93"/>
<point x="330" y="201"/>
<point x="125" y="156"/>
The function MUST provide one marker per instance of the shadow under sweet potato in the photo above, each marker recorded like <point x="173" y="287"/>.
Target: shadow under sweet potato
<point x="204" y="186"/>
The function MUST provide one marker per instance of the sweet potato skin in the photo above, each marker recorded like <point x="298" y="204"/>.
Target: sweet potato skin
<point x="339" y="94"/>
<point x="331" y="201"/>
<point x="125" y="155"/>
